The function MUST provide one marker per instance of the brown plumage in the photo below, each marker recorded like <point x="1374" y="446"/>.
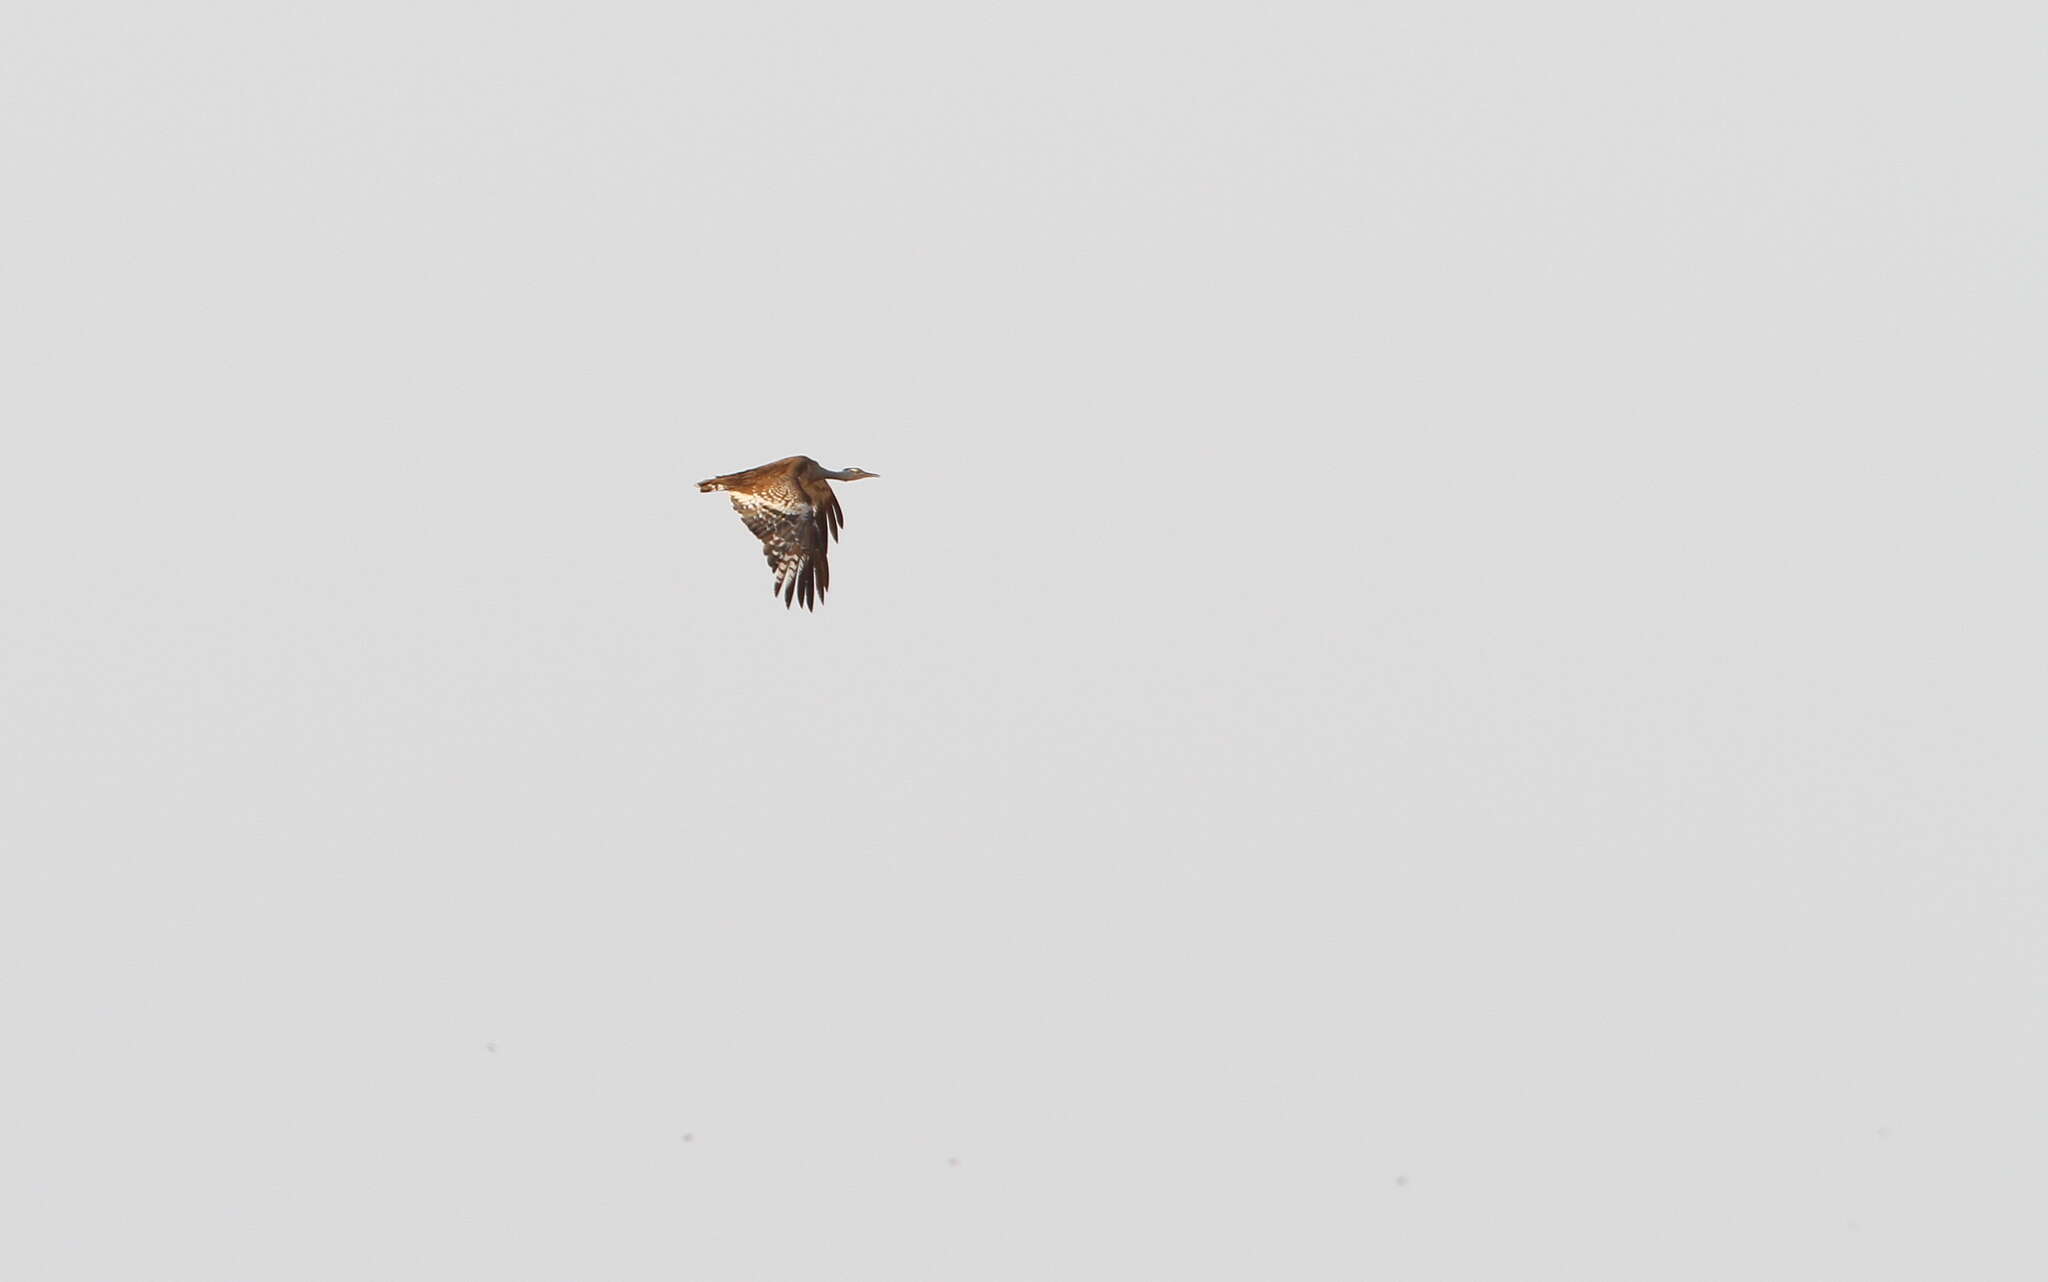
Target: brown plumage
<point x="790" y="507"/>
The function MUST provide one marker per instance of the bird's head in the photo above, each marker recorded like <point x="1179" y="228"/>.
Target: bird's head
<point x="855" y="474"/>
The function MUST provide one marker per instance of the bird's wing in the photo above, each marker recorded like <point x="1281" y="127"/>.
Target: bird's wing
<point x="825" y="500"/>
<point x="792" y="535"/>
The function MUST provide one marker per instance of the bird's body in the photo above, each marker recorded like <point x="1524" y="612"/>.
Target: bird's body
<point x="791" y="508"/>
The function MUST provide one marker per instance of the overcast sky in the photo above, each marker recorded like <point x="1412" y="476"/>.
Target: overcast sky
<point x="1444" y="678"/>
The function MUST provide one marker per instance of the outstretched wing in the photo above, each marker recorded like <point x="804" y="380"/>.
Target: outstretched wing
<point x="792" y="534"/>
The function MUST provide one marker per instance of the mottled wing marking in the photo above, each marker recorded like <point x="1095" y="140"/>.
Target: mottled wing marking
<point x="793" y="539"/>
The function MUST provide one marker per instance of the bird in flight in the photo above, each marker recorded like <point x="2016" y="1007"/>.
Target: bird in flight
<point x="791" y="509"/>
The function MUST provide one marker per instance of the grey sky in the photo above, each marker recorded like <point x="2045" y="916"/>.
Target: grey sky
<point x="1443" y="679"/>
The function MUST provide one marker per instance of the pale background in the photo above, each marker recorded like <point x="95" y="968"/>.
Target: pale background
<point x="1443" y="679"/>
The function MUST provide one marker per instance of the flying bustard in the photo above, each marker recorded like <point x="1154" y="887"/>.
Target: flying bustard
<point x="791" y="509"/>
